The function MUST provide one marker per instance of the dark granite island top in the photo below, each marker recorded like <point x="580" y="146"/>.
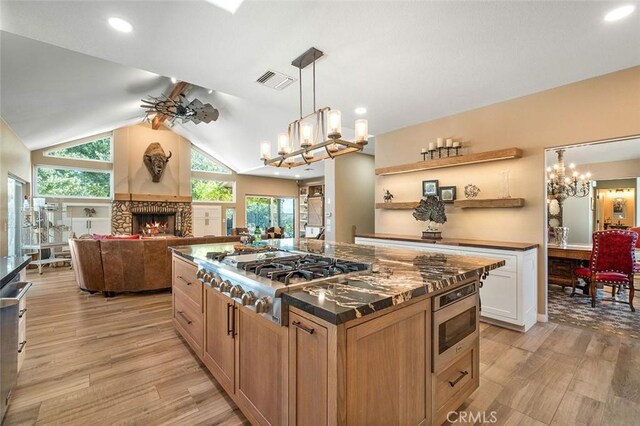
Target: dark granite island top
<point x="10" y="266"/>
<point x="396" y="276"/>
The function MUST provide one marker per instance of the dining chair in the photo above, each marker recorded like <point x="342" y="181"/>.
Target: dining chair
<point x="612" y="264"/>
<point x="636" y="266"/>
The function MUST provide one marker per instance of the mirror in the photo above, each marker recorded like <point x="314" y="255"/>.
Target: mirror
<point x="611" y="201"/>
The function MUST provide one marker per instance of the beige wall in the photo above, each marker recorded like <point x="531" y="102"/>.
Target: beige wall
<point x="349" y="196"/>
<point x="130" y="173"/>
<point x="15" y="160"/>
<point x="596" y="109"/>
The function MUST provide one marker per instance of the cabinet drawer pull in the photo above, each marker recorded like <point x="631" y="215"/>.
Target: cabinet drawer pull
<point x="229" y="325"/>
<point x="186" y="318"/>
<point x="21" y="346"/>
<point x="22" y="312"/>
<point x="233" y="323"/>
<point x="303" y="327"/>
<point x="455" y="382"/>
<point x="181" y="278"/>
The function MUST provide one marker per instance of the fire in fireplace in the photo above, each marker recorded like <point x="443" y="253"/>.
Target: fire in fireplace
<point x="154" y="224"/>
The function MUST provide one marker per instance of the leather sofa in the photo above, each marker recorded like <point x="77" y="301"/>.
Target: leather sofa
<point x="116" y="266"/>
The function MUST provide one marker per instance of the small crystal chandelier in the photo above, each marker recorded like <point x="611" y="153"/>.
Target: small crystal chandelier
<point x="561" y="186"/>
<point x="318" y="135"/>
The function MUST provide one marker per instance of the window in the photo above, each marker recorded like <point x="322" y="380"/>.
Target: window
<point x="265" y="212"/>
<point x="73" y="183"/>
<point x="212" y="190"/>
<point x="94" y="150"/>
<point x="230" y="219"/>
<point x="203" y="163"/>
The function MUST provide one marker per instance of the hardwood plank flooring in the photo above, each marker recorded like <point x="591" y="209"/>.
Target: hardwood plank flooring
<point x="92" y="360"/>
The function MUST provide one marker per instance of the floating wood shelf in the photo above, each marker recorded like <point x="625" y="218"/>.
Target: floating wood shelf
<point x="406" y="205"/>
<point x="460" y="160"/>
<point x="489" y="203"/>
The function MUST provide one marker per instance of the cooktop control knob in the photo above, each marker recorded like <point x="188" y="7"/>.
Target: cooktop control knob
<point x="248" y="298"/>
<point x="236" y="291"/>
<point x="206" y="278"/>
<point x="200" y="274"/>
<point x="262" y="305"/>
<point x="216" y="281"/>
<point x="225" y="286"/>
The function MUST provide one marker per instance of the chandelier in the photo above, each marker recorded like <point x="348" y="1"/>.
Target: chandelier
<point x="315" y="136"/>
<point x="561" y="185"/>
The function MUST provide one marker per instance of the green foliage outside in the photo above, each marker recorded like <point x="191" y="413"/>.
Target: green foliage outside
<point x="100" y="150"/>
<point x="72" y="183"/>
<point x="264" y="212"/>
<point x="201" y="163"/>
<point x="211" y="190"/>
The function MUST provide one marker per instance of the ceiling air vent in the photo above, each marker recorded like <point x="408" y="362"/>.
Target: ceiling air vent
<point x="275" y="80"/>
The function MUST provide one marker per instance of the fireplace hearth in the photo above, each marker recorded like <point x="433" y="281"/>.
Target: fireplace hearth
<point x="154" y="224"/>
<point x="165" y="218"/>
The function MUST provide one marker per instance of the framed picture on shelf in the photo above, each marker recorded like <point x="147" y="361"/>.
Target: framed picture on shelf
<point x="429" y="187"/>
<point x="447" y="194"/>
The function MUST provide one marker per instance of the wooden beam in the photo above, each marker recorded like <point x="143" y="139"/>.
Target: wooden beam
<point x="180" y="88"/>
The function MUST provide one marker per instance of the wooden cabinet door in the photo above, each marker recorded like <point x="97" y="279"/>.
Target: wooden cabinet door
<point x="389" y="369"/>
<point x="308" y="358"/>
<point x="261" y="368"/>
<point x="219" y="346"/>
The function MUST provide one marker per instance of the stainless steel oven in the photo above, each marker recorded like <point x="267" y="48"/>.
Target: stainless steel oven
<point x="455" y="323"/>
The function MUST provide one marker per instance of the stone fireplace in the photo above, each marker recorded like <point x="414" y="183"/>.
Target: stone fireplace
<point x="155" y="218"/>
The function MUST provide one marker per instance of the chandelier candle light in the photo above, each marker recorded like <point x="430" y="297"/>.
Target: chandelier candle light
<point x="561" y="186"/>
<point x="318" y="134"/>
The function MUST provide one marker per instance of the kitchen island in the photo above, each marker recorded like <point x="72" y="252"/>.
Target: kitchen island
<point x="394" y="344"/>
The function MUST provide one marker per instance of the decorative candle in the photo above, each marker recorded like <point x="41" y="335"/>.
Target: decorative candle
<point x="362" y="131"/>
<point x="449" y="143"/>
<point x="265" y="150"/>
<point x="334" y="124"/>
<point x="306" y="135"/>
<point x="440" y="142"/>
<point x="283" y="143"/>
<point x="423" y="150"/>
<point x="432" y="146"/>
<point x="456" y="144"/>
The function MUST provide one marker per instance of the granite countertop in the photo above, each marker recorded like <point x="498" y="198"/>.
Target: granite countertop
<point x="396" y="276"/>
<point x="10" y="266"/>
<point x="499" y="245"/>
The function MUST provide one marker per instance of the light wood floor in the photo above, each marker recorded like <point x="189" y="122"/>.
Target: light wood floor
<point x="93" y="360"/>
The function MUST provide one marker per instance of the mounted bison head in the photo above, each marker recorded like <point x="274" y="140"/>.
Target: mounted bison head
<point x="156" y="160"/>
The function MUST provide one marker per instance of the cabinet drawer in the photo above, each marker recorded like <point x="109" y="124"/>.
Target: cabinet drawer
<point x="184" y="279"/>
<point x="189" y="317"/>
<point x="454" y="380"/>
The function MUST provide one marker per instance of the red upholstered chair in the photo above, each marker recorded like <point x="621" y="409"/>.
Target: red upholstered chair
<point x="636" y="266"/>
<point x="612" y="263"/>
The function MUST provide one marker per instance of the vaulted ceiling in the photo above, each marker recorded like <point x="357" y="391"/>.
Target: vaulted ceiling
<point x="406" y="62"/>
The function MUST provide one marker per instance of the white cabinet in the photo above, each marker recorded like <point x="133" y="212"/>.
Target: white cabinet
<point x="91" y="225"/>
<point x="509" y="295"/>
<point x="207" y="220"/>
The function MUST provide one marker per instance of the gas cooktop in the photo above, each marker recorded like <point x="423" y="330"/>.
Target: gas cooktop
<point x="290" y="268"/>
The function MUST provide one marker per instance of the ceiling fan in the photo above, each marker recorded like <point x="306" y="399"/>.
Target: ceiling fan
<point x="176" y="105"/>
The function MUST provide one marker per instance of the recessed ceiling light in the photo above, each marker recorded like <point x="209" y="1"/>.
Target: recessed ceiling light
<point x="120" y="25"/>
<point x="360" y="110"/>
<point x="210" y="91"/>
<point x="619" y="13"/>
<point x="276" y="173"/>
<point x="297" y="176"/>
<point x="173" y="80"/>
